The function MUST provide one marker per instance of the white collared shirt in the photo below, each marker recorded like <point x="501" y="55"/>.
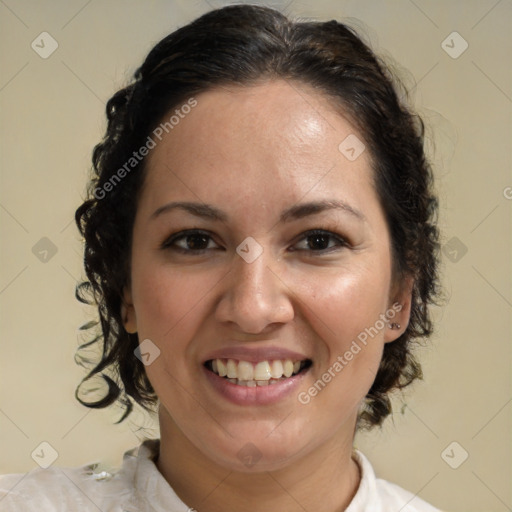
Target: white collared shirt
<point x="138" y="486"/>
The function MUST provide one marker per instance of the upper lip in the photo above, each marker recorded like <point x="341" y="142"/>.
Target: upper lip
<point x="255" y="354"/>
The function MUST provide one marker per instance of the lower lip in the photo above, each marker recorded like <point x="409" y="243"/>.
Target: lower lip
<point x="257" y="395"/>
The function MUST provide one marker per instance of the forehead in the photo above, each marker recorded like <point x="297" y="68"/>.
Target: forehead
<point x="275" y="136"/>
<point x="283" y="115"/>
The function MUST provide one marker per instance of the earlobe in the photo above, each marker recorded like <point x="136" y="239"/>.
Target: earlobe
<point x="128" y="312"/>
<point x="399" y="311"/>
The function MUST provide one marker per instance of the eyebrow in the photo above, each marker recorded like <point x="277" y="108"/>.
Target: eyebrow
<point x="299" y="211"/>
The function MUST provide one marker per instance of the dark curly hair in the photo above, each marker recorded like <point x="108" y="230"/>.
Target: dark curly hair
<point x="245" y="45"/>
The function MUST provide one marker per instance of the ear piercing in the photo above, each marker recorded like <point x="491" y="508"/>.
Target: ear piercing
<point x="394" y="326"/>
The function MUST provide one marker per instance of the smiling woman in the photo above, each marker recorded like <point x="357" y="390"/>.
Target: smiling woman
<point x="261" y="273"/>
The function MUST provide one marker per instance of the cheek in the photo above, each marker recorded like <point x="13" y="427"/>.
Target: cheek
<point x="169" y="306"/>
<point x="172" y="305"/>
<point x="165" y="298"/>
<point x="344" y="303"/>
<point x="344" y="312"/>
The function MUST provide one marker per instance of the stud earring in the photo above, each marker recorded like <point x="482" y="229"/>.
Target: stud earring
<point x="394" y="326"/>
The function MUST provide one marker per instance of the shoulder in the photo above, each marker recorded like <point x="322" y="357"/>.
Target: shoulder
<point x="383" y="496"/>
<point x="84" y="488"/>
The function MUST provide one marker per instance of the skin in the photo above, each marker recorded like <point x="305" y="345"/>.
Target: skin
<point x="253" y="152"/>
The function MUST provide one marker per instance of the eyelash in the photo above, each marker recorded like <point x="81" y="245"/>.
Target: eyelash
<point x="168" y="244"/>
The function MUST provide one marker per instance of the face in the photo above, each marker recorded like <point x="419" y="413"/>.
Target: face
<point x="278" y="263"/>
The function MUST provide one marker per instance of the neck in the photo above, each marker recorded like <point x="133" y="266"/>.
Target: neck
<point x="325" y="480"/>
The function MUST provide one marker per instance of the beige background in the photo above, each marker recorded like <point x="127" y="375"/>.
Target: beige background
<point x="52" y="114"/>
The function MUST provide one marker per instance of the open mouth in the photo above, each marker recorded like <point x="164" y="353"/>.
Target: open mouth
<point x="262" y="373"/>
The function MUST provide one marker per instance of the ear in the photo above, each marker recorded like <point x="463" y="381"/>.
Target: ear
<point x="128" y="311"/>
<point x="399" y="309"/>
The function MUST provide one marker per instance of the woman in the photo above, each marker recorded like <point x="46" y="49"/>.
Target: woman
<point x="260" y="240"/>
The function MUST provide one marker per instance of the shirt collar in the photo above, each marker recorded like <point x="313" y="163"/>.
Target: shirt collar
<point x="152" y="493"/>
<point x="366" y="497"/>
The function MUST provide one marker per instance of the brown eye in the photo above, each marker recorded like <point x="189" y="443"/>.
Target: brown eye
<point x="190" y="241"/>
<point x="320" y="241"/>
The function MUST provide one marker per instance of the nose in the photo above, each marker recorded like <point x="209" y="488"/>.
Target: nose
<point x="255" y="298"/>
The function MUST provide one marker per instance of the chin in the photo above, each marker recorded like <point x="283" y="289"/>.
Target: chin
<point x="250" y="451"/>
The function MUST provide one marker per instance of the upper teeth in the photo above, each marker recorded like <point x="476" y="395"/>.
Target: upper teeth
<point x="247" y="371"/>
